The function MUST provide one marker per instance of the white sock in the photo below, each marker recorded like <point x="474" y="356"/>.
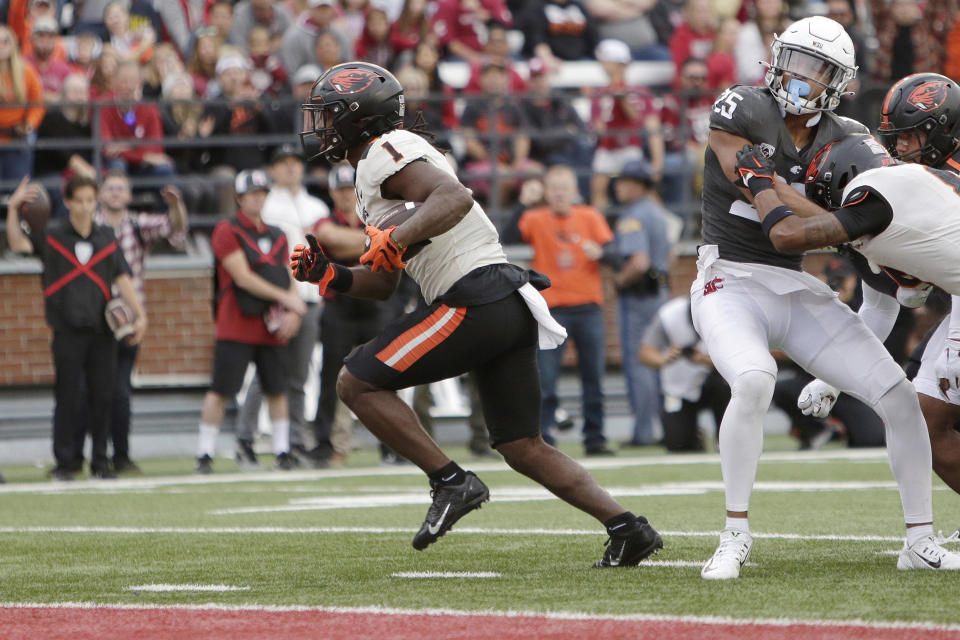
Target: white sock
<point x="739" y="524"/>
<point x="208" y="439"/>
<point x="281" y="436"/>
<point x="915" y="534"/>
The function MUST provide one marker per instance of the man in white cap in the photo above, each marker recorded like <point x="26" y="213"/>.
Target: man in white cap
<point x="257" y="309"/>
<point x="296" y="212"/>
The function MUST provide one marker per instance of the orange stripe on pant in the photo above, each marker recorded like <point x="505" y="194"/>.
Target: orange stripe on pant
<point x="415" y="342"/>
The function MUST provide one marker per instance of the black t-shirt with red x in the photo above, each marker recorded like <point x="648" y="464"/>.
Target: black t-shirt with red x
<point x="77" y="274"/>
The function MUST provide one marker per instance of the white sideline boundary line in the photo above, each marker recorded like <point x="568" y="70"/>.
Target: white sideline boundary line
<point x="618" y="462"/>
<point x="445" y="574"/>
<point x="552" y="615"/>
<point x="459" y="530"/>
<point x="167" y="588"/>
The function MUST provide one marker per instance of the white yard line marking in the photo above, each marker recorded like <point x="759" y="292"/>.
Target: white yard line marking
<point x="100" y="486"/>
<point x="552" y="615"/>
<point x="445" y="574"/>
<point x="528" y="494"/>
<point x="459" y="530"/>
<point x="164" y="588"/>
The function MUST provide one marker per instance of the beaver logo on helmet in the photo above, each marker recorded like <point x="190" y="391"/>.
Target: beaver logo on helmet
<point x="928" y="96"/>
<point x="352" y="80"/>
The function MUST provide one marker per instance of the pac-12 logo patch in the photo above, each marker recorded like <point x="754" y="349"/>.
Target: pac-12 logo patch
<point x="352" y="80"/>
<point x="929" y="95"/>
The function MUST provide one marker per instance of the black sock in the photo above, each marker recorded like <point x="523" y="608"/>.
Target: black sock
<point x="451" y="473"/>
<point x="619" y="524"/>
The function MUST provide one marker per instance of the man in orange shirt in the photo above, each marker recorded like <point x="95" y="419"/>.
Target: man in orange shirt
<point x="567" y="241"/>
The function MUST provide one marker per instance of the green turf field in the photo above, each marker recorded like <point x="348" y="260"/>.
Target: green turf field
<point x="342" y="537"/>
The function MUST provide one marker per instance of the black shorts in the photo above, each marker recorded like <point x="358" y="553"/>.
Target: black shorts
<point x="497" y="341"/>
<point x="230" y="360"/>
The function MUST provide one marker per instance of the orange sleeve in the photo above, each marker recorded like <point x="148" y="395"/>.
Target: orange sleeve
<point x="600" y="227"/>
<point x="34" y="94"/>
<point x="17" y="19"/>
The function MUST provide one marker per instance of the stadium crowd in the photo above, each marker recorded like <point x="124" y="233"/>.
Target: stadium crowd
<point x="194" y="93"/>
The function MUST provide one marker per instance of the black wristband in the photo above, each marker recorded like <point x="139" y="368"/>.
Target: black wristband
<point x="774" y="217"/>
<point x="758" y="184"/>
<point x="342" y="280"/>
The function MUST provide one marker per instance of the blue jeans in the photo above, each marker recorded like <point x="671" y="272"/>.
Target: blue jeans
<point x="643" y="384"/>
<point x="584" y="325"/>
<point x="15" y="164"/>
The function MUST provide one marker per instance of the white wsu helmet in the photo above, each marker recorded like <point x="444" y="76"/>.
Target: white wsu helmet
<point x="813" y="51"/>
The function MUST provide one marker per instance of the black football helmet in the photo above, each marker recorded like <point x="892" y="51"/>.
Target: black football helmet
<point x="928" y="103"/>
<point x="351" y="103"/>
<point x="839" y="162"/>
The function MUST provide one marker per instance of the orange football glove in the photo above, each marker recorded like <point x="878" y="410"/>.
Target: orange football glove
<point x="382" y="252"/>
<point x="310" y="264"/>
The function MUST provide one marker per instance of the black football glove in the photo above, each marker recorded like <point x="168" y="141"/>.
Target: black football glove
<point x="756" y="170"/>
<point x="310" y="264"/>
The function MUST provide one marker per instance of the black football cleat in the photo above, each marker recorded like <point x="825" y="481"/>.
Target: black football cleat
<point x="204" y="465"/>
<point x="450" y="503"/>
<point x="638" y="541"/>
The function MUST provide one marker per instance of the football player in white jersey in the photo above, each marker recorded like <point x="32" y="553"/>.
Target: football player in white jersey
<point x="483" y="314"/>
<point x="751" y="296"/>
<point x="920" y="122"/>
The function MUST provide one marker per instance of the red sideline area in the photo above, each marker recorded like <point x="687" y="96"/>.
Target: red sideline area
<point x="105" y="623"/>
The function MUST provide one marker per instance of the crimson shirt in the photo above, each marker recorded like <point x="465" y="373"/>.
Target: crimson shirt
<point x="231" y="323"/>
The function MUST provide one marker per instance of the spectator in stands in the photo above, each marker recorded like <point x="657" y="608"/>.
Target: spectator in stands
<point x="70" y="119"/>
<point x="136" y="233"/>
<point x="23" y="26"/>
<point x="686" y="126"/>
<point x="629" y="21"/>
<point x="567" y="240"/>
<point x="458" y="26"/>
<point x="557" y="30"/>
<point x="374" y="44"/>
<point x="182" y="118"/>
<point x="52" y="70"/>
<point x="88" y="16"/>
<point x="495" y="47"/>
<point x="290" y="208"/>
<point x="220" y="17"/>
<point x="624" y="119"/>
<point x="327" y="50"/>
<point x="165" y="61"/>
<point x="241" y="115"/>
<point x="910" y="37"/>
<point x="76" y="296"/>
<point x="267" y="74"/>
<point x="426" y="57"/>
<point x="641" y="257"/>
<point x="688" y="379"/>
<point x="83" y="51"/>
<point x="252" y="281"/>
<point x="694" y="37"/>
<point x="266" y="14"/>
<point x="203" y="61"/>
<point x="665" y="17"/>
<point x="299" y="41"/>
<point x="557" y="134"/>
<point x="352" y="17"/>
<point x="19" y="85"/>
<point x="415" y="92"/>
<point x="411" y="28"/>
<point x="530" y="197"/>
<point x="285" y="112"/>
<point x="951" y="63"/>
<point x="131" y="129"/>
<point x="851" y="106"/>
<point x="179" y="20"/>
<point x="770" y="17"/>
<point x="104" y="72"/>
<point x="494" y="130"/>
<point x="346" y="321"/>
<point x="722" y="60"/>
<point x="129" y="44"/>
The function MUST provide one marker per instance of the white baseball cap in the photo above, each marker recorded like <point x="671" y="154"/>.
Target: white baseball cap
<point x="613" y="50"/>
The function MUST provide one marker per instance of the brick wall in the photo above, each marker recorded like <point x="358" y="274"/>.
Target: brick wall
<point x="178" y="349"/>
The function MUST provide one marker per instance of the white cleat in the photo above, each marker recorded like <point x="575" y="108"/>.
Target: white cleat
<point x="730" y="556"/>
<point x="927" y="554"/>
